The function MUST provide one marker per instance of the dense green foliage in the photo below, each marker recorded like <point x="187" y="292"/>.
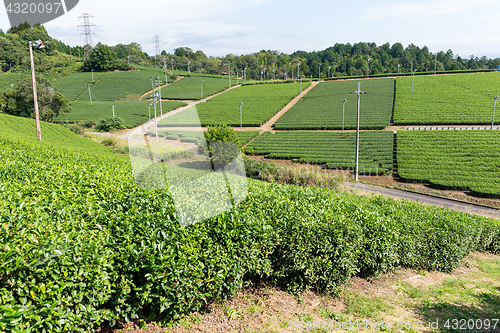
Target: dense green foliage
<point x="53" y="135"/>
<point x="190" y="87"/>
<point x="446" y="99"/>
<point x="260" y="103"/>
<point x="81" y="244"/>
<point x="332" y="149"/>
<point x="132" y="113"/>
<point x="336" y="61"/>
<point x="245" y="137"/>
<point x="15" y="56"/>
<point x="222" y="145"/>
<point x="107" y="124"/>
<point x="101" y="57"/>
<point x="321" y="108"/>
<point x="18" y="101"/>
<point x="457" y="159"/>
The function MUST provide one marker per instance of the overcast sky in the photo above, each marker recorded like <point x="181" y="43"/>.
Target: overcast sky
<point x="219" y="27"/>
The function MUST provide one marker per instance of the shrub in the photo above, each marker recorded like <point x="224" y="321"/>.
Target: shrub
<point x="109" y="142"/>
<point x="75" y="129"/>
<point x="107" y="124"/>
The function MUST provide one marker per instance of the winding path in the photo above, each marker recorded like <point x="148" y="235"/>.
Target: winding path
<point x="427" y="199"/>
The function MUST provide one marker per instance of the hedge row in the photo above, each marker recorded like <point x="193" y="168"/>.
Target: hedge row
<point x="82" y="245"/>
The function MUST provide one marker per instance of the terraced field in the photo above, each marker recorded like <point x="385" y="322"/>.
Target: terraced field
<point x="260" y="103"/>
<point x="74" y="85"/>
<point x="446" y="99"/>
<point x="132" y="113"/>
<point x="332" y="149"/>
<point x="190" y="87"/>
<point x="457" y="159"/>
<point x="321" y="108"/>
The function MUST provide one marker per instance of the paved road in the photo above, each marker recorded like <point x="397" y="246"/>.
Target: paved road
<point x="449" y="128"/>
<point x="427" y="199"/>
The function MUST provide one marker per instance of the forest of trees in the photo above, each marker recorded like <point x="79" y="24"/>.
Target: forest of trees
<point x="337" y="60"/>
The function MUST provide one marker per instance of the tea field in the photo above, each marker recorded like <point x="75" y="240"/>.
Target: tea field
<point x="332" y="149"/>
<point x="74" y="85"/>
<point x="446" y="99"/>
<point x="132" y="113"/>
<point x="458" y="159"/>
<point x="260" y="103"/>
<point x="321" y="107"/>
<point x="82" y="245"/>
<point x="123" y="85"/>
<point x="190" y="87"/>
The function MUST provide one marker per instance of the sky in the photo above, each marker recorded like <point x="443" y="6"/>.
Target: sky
<point x="220" y="27"/>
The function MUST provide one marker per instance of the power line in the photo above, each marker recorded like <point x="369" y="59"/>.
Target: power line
<point x="89" y="44"/>
<point x="157" y="44"/>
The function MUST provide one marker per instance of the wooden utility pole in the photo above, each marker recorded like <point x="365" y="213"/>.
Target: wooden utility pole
<point x="37" y="116"/>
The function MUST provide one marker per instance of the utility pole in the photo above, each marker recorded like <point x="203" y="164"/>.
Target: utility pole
<point x="159" y="92"/>
<point x="113" y="111"/>
<point x="202" y="89"/>
<point x="33" y="81"/>
<point x="244" y="75"/>
<point x="413" y="79"/>
<point x="298" y="71"/>
<point x="189" y="70"/>
<point x="92" y="70"/>
<point x="343" y="112"/>
<point x="319" y="72"/>
<point x="172" y="64"/>
<point x="241" y="117"/>
<point x="89" y="44"/>
<point x="358" y="92"/>
<point x="149" y="109"/>
<point x="154" y="107"/>
<point x="157" y="44"/>
<point x="165" y="67"/>
<point x="494" y="106"/>
<point x="368" y="68"/>
<point x="90" y="94"/>
<point x="301" y="86"/>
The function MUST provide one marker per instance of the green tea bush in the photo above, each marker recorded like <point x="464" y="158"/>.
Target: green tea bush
<point x="107" y="124"/>
<point x="81" y="245"/>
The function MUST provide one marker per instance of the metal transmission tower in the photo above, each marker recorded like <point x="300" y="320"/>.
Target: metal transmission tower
<point x="89" y="44"/>
<point x="157" y="44"/>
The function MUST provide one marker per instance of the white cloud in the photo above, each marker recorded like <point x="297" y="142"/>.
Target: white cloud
<point x="415" y="9"/>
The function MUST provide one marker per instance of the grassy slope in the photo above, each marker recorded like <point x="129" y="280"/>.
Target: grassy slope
<point x="52" y="134"/>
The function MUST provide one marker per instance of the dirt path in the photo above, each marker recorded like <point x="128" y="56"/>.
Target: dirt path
<point x="151" y="91"/>
<point x="268" y="126"/>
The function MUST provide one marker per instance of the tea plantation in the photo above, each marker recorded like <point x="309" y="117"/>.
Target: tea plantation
<point x="190" y="87"/>
<point x="458" y="159"/>
<point x="446" y="99"/>
<point x="81" y="245"/>
<point x="133" y="113"/>
<point x="332" y="149"/>
<point x="260" y="103"/>
<point x="322" y="107"/>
